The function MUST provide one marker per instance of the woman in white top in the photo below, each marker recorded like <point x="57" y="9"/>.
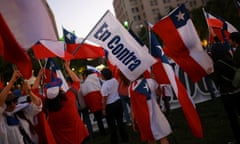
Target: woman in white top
<point x="112" y="107"/>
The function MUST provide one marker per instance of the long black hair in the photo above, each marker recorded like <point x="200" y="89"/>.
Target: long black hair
<point x="55" y="104"/>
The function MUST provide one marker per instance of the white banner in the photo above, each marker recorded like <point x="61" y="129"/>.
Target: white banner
<point x="123" y="50"/>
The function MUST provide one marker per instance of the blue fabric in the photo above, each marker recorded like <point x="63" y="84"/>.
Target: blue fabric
<point x="12" y="120"/>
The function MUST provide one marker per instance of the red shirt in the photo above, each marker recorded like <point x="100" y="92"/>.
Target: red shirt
<point x="66" y="125"/>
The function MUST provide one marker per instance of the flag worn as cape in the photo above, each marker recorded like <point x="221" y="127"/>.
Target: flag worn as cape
<point x="123" y="50"/>
<point x="185" y="100"/>
<point x="81" y="50"/>
<point x="139" y="98"/>
<point x="182" y="43"/>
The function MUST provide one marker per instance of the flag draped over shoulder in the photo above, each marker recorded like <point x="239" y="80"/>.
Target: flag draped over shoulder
<point x="52" y="71"/>
<point x="123" y="50"/>
<point x="182" y="43"/>
<point x="140" y="93"/>
<point x="22" y="24"/>
<point x="221" y="27"/>
<point x="81" y="50"/>
<point x="185" y="100"/>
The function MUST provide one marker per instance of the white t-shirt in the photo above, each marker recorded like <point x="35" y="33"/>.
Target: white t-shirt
<point x="11" y="134"/>
<point x="110" y="89"/>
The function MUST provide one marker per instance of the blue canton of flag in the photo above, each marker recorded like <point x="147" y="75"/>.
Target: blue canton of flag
<point x="143" y="88"/>
<point x="69" y="38"/>
<point x="53" y="67"/>
<point x="156" y="49"/>
<point x="180" y="16"/>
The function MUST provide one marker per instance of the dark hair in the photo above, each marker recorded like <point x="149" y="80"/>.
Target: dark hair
<point x="56" y="103"/>
<point x="69" y="79"/>
<point x="107" y="73"/>
<point x="218" y="50"/>
<point x="11" y="98"/>
<point x="87" y="72"/>
<point x="235" y="36"/>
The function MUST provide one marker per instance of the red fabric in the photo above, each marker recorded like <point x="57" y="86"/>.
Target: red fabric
<point x="85" y="51"/>
<point x="66" y="125"/>
<point x="42" y="52"/>
<point x="141" y="114"/>
<point x="189" y="111"/>
<point x="94" y="101"/>
<point x="219" y="34"/>
<point x="43" y="130"/>
<point x="123" y="89"/>
<point x="159" y="72"/>
<point x="180" y="53"/>
<point x="13" y="52"/>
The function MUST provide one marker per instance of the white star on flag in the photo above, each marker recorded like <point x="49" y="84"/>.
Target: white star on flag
<point x="180" y="16"/>
<point x="146" y="87"/>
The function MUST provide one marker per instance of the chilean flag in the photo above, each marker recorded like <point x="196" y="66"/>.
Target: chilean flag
<point x="51" y="48"/>
<point x="52" y="71"/>
<point x="12" y="52"/>
<point x="81" y="50"/>
<point x="186" y="102"/>
<point x="22" y="24"/>
<point x="139" y="96"/>
<point x="220" y="27"/>
<point x="182" y="43"/>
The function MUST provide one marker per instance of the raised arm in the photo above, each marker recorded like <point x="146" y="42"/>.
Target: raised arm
<point x="34" y="98"/>
<point x="4" y="93"/>
<point x="73" y="76"/>
<point x="37" y="81"/>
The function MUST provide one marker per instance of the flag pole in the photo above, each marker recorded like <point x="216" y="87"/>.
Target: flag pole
<point x="76" y="50"/>
<point x="205" y="16"/>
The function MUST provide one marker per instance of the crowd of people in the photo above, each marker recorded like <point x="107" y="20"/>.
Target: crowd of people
<point x="37" y="114"/>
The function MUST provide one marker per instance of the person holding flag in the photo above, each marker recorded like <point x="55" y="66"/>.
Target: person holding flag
<point x="223" y="76"/>
<point x="63" y="117"/>
<point x="147" y="116"/>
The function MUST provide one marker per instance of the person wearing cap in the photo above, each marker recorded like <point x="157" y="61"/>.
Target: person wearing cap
<point x="63" y="118"/>
<point x="16" y="120"/>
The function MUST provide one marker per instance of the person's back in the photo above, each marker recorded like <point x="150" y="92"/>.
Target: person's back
<point x="63" y="117"/>
<point x="90" y="89"/>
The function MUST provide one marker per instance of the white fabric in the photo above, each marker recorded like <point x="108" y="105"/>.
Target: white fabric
<point x="90" y="84"/>
<point x="192" y="42"/>
<point x="123" y="50"/>
<point x="167" y="89"/>
<point x="110" y="89"/>
<point x="52" y="92"/>
<point x="29" y="21"/>
<point x="11" y="134"/>
<point x="56" y="47"/>
<point x="159" y="124"/>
